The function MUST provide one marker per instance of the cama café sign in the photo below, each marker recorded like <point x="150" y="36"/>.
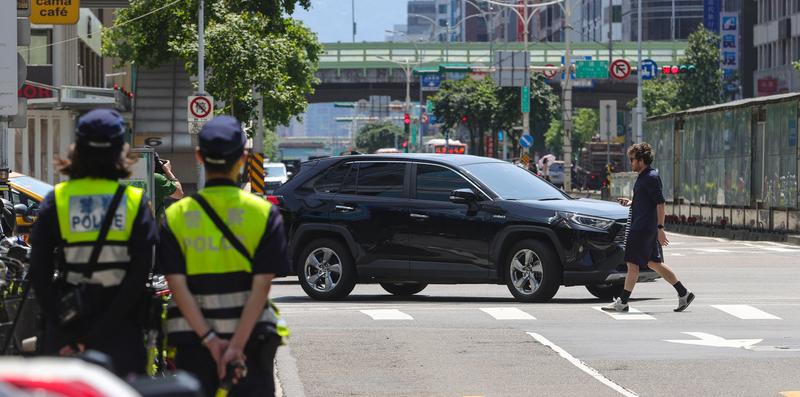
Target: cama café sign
<point x="54" y="12"/>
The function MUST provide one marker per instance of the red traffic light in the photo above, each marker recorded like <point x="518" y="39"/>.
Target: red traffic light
<point x="464" y="119"/>
<point x="407" y="118"/>
<point x="405" y="144"/>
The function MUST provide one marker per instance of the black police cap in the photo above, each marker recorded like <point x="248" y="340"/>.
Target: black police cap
<point x="222" y="140"/>
<point x="102" y="129"/>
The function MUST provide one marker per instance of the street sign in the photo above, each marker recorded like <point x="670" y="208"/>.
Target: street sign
<point x="620" y="69"/>
<point x="500" y="136"/>
<point x="511" y="68"/>
<point x="9" y="84"/>
<point x="430" y="82"/>
<point x="424" y="118"/>
<point x="648" y="69"/>
<point x="526" y="141"/>
<point x="550" y="73"/>
<point x="525" y="98"/>
<point x="591" y="69"/>
<point x="200" y="110"/>
<point x="61" y="12"/>
<point x="429" y="106"/>
<point x="525" y="159"/>
<point x="608" y="119"/>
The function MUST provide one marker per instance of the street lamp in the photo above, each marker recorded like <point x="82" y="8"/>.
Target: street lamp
<point x="407" y="69"/>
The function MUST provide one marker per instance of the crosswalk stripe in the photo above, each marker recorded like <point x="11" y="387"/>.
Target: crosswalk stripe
<point x="507" y="313"/>
<point x="387" y="314"/>
<point x="632" y="314"/>
<point x="713" y="250"/>
<point x="746" y="312"/>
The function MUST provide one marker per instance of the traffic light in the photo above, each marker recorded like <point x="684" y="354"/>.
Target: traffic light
<point x="406" y="119"/>
<point x="463" y="119"/>
<point x="678" y="69"/>
<point x="407" y="129"/>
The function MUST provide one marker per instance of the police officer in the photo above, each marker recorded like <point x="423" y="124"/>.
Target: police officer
<point x="104" y="256"/>
<point x="220" y="250"/>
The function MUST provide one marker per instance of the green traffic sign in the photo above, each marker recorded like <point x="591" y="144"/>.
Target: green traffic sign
<point x="429" y="106"/>
<point x="591" y="69"/>
<point x="525" y="97"/>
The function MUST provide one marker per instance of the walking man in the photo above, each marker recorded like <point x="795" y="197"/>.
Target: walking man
<point x="645" y="236"/>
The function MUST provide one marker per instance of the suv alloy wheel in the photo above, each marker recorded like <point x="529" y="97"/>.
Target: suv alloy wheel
<point x="326" y="270"/>
<point x="532" y="272"/>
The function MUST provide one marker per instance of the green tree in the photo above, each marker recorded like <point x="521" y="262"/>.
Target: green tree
<point x="586" y="124"/>
<point x="796" y="65"/>
<point x="659" y="96"/>
<point x="469" y="101"/>
<point x="249" y="44"/>
<point x="544" y="107"/>
<point x="704" y="86"/>
<point x="372" y="137"/>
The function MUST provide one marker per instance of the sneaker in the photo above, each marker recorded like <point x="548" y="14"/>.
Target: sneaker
<point x="616" y="306"/>
<point x="684" y="301"/>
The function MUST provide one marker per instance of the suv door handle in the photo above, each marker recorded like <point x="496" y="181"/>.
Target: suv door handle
<point x="419" y="216"/>
<point x="344" y="208"/>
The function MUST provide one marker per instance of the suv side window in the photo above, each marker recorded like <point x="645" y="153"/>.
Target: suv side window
<point x="379" y="180"/>
<point x="435" y="183"/>
<point x="332" y="180"/>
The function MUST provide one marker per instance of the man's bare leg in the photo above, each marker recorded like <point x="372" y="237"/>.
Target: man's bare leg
<point x="664" y="271"/>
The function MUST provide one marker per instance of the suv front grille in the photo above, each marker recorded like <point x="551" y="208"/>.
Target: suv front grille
<point x="622" y="235"/>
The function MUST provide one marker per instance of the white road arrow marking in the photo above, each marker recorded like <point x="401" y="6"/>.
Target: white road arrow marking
<point x="705" y="339"/>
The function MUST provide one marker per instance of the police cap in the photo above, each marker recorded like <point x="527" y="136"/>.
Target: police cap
<point x="101" y="129"/>
<point x="222" y="140"/>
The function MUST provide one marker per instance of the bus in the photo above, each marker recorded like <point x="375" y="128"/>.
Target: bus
<point x="442" y="146"/>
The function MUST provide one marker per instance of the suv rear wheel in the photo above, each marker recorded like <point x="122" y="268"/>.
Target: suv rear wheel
<point x="403" y="289"/>
<point x="326" y="270"/>
<point x="532" y="271"/>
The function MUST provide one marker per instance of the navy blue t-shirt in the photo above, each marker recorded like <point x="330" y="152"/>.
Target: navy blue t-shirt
<point x="647" y="194"/>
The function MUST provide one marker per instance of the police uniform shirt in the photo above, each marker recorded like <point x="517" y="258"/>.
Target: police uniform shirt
<point x="270" y="256"/>
<point x="46" y="236"/>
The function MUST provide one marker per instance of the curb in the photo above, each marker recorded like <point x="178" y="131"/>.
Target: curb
<point x="734" y="234"/>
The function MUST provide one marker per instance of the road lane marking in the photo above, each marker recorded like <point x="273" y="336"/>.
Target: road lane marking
<point x="632" y="314"/>
<point x="713" y="250"/>
<point x="387" y="314"/>
<point x="704" y="339"/>
<point x="746" y="312"/>
<point x="583" y="366"/>
<point x="507" y="313"/>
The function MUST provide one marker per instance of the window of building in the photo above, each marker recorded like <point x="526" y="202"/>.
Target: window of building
<point x="442" y="8"/>
<point x="380" y="179"/>
<point x="442" y="22"/>
<point x="38" y="53"/>
<point x="436" y="183"/>
<point x="616" y="14"/>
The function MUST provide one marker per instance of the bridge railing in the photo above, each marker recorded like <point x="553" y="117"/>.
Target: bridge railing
<point x="380" y="55"/>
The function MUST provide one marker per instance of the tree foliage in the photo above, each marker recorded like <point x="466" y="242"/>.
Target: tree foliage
<point x="586" y="124"/>
<point x="704" y="86"/>
<point x="372" y="137"/>
<point x="489" y="108"/>
<point x="659" y="96"/>
<point x="249" y="44"/>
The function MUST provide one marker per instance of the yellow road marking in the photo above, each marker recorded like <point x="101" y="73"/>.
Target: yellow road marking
<point x="790" y="393"/>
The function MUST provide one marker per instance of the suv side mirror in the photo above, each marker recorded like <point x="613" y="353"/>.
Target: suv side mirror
<point x="463" y="196"/>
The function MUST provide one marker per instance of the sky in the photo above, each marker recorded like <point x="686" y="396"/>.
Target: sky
<point x="331" y="19"/>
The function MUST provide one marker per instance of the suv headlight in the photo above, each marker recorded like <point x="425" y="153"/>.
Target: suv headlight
<point x="587" y="220"/>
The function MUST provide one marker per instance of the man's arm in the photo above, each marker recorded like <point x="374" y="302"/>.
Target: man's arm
<point x="662" y="235"/>
<point x="178" y="193"/>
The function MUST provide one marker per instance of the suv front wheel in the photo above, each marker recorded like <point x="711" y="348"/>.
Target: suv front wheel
<point x="532" y="272"/>
<point x="326" y="270"/>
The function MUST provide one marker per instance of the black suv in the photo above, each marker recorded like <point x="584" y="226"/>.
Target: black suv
<point x="409" y="220"/>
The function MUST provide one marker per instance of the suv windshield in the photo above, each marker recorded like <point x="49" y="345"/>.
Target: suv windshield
<point x="513" y="183"/>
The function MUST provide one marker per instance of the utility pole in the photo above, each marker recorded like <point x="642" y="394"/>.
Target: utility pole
<point x="639" y="75"/>
<point x="353" y="17"/>
<point x="201" y="79"/>
<point x="526" y="127"/>
<point x="408" y="99"/>
<point x="566" y="114"/>
<point x="610" y="29"/>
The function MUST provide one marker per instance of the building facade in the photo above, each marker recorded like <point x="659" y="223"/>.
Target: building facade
<point x="776" y="37"/>
<point x="661" y="20"/>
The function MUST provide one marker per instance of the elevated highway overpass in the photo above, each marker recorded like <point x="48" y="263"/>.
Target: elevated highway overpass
<point x="353" y="71"/>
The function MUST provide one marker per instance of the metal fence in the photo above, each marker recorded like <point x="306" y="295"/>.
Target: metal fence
<point x="733" y="164"/>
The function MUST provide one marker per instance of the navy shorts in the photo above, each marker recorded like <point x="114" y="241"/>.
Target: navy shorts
<point x="643" y="248"/>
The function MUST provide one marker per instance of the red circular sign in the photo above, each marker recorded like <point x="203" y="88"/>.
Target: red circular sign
<point x="549" y="73"/>
<point x="200" y="107"/>
<point x="620" y="69"/>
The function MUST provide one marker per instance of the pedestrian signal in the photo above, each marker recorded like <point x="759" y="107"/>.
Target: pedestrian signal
<point x="406" y="119"/>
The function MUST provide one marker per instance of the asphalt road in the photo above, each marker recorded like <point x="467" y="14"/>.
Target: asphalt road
<point x="740" y="337"/>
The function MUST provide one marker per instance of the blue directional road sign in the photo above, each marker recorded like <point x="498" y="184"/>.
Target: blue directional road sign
<point x="649" y="69"/>
<point x="526" y="141"/>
